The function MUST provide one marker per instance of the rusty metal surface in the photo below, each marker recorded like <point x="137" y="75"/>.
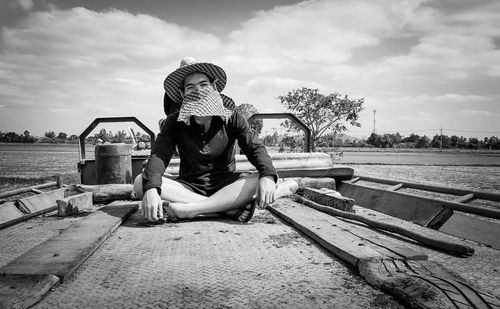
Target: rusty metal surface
<point x="214" y="264"/>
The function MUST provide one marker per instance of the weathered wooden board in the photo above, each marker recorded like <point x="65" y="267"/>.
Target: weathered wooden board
<point x="329" y="198"/>
<point x="482" y="230"/>
<point x="62" y="254"/>
<point x="74" y="204"/>
<point x="323" y="229"/>
<point x="457" y="248"/>
<point x="339" y="173"/>
<point x="42" y="201"/>
<point x="408" y="207"/>
<point x="9" y="211"/>
<point x="108" y="192"/>
<point x="24" y="291"/>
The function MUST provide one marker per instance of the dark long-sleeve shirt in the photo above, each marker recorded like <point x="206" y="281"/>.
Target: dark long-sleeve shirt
<point x="203" y="155"/>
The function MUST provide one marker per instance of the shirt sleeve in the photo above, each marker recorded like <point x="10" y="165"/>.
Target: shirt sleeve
<point x="160" y="156"/>
<point x="255" y="152"/>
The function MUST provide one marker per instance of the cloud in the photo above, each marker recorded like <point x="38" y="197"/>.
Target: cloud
<point x="313" y="33"/>
<point x="84" y="64"/>
<point x="474" y="112"/>
<point x="26" y="4"/>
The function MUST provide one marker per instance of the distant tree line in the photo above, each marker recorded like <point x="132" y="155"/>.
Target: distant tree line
<point x="389" y="140"/>
<point x="62" y="138"/>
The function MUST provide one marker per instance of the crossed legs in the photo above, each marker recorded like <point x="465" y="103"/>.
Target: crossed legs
<point x="187" y="204"/>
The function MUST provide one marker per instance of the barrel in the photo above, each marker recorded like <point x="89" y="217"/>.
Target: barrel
<point x="113" y="163"/>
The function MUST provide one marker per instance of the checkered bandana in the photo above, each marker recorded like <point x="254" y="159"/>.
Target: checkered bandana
<point x="203" y="102"/>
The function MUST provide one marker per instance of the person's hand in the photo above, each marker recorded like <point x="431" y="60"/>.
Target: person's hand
<point x="152" y="205"/>
<point x="265" y="195"/>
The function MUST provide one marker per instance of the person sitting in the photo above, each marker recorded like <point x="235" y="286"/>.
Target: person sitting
<point x="204" y="132"/>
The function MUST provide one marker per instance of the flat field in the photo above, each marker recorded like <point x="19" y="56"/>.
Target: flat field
<point x="31" y="163"/>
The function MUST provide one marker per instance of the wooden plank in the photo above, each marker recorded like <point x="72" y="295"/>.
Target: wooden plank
<point x="398" y="247"/>
<point x="330" y="198"/>
<point x="323" y="229"/>
<point x="404" y="206"/>
<point x="475" y="228"/>
<point x="492" y="196"/>
<point x="27" y="217"/>
<point x="8" y="212"/>
<point x="108" y="192"/>
<point x="317" y="183"/>
<point x="74" y="204"/>
<point x="396" y="187"/>
<point x="339" y="173"/>
<point x="62" y="254"/>
<point x="440" y="218"/>
<point x="41" y="201"/>
<point x="465" y="198"/>
<point x="439" y="244"/>
<point x="24" y="291"/>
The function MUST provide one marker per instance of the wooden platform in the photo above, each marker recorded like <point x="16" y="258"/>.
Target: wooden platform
<point x="385" y="261"/>
<point x="27" y="278"/>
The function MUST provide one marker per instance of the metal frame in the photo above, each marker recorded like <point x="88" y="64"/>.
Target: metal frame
<point x="307" y="131"/>
<point x="97" y="121"/>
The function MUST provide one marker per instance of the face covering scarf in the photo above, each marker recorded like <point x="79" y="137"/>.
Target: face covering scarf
<point x="203" y="102"/>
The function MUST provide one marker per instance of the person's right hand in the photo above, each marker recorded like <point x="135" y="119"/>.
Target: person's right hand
<point x="152" y="205"/>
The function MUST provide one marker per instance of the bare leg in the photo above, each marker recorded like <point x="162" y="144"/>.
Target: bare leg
<point x="231" y="197"/>
<point x="171" y="191"/>
<point x="187" y="204"/>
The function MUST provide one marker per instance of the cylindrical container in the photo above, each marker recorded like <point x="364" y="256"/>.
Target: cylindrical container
<point x="113" y="163"/>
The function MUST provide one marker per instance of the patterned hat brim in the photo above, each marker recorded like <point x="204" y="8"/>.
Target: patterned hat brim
<point x="174" y="80"/>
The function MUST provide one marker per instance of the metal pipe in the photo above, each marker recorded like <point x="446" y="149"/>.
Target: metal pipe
<point x="27" y="189"/>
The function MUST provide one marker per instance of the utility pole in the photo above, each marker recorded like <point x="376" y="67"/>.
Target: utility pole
<point x="374" y="111"/>
<point x="441" y="140"/>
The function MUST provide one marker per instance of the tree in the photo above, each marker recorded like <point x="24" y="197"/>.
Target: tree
<point x="321" y="113"/>
<point x="62" y="135"/>
<point x="248" y="110"/>
<point x="50" y="134"/>
<point x="375" y="140"/>
<point x="423" y="142"/>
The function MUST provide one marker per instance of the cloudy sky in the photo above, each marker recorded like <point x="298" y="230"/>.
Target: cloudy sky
<point x="422" y="65"/>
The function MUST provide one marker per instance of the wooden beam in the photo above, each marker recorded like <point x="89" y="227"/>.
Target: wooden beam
<point x="433" y="188"/>
<point x="64" y="253"/>
<point x="395" y="187"/>
<point x="42" y="201"/>
<point x="74" y="204"/>
<point x="372" y="197"/>
<point x="465" y="198"/>
<point x="339" y="173"/>
<point x="317" y="183"/>
<point x="108" y="192"/>
<point x="34" y="190"/>
<point x="8" y="212"/>
<point x="439" y="244"/>
<point x="329" y="198"/>
<point x="24" y="291"/>
<point x="319" y="227"/>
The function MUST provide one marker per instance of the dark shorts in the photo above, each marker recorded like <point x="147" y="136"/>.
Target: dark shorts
<point x="209" y="185"/>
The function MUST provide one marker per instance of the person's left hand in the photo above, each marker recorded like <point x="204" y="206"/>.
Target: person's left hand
<point x="267" y="188"/>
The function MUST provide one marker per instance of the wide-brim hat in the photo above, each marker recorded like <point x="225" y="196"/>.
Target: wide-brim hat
<point x="174" y="81"/>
